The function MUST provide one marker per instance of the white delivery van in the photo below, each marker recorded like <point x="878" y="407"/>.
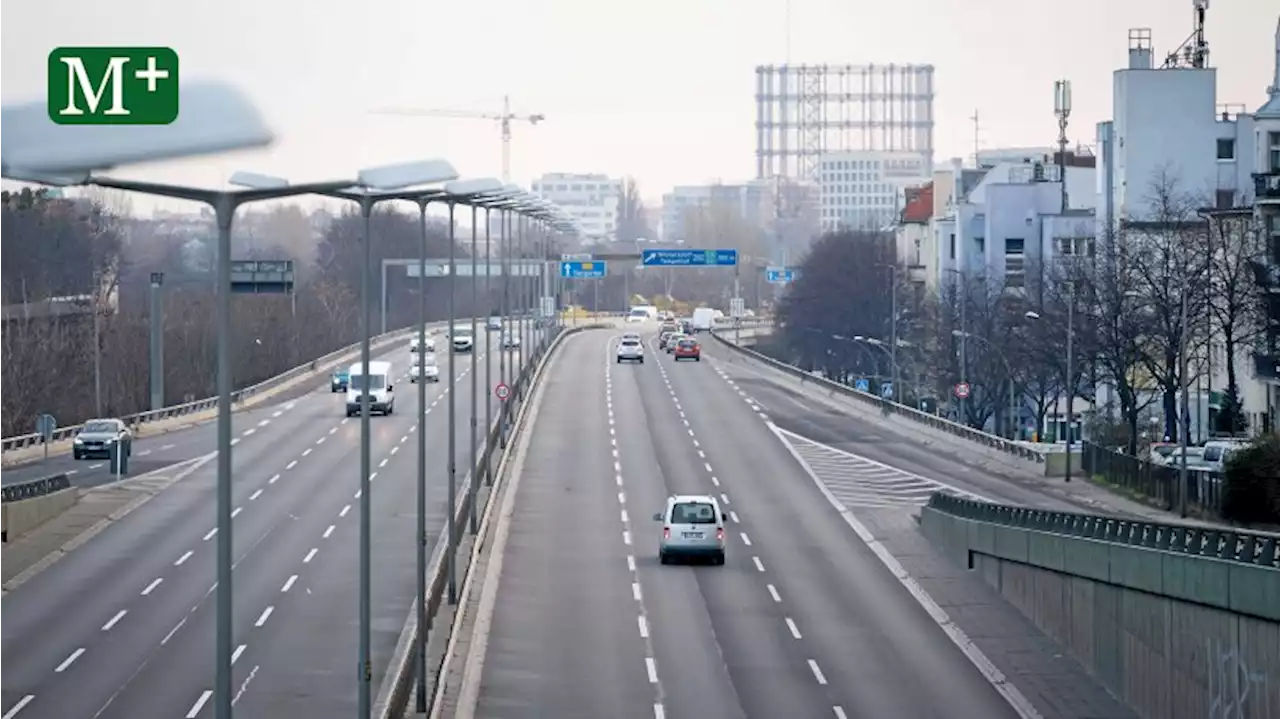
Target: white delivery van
<point x="377" y="385"/>
<point x="703" y="319"/>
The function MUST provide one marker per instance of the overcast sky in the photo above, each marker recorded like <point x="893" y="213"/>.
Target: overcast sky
<point x="658" y="89"/>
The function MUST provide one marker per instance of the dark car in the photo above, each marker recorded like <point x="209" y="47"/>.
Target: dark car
<point x="97" y="437"/>
<point x="338" y="381"/>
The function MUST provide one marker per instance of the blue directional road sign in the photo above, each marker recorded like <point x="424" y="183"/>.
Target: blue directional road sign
<point x="581" y="270"/>
<point x="862" y="385"/>
<point x="687" y="258"/>
<point x="780" y="275"/>
<point x="886" y="390"/>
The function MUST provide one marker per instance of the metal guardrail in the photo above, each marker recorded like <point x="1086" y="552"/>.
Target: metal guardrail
<point x="200" y="405"/>
<point x="1232" y="545"/>
<point x="886" y="407"/>
<point x="1157" y="482"/>
<point x="32" y="488"/>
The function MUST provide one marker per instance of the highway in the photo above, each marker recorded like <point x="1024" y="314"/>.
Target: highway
<point x="124" y="626"/>
<point x="802" y="621"/>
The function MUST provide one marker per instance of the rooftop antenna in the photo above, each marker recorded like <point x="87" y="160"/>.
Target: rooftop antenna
<point x="976" y="127"/>
<point x="1194" y="51"/>
<point x="1062" y="109"/>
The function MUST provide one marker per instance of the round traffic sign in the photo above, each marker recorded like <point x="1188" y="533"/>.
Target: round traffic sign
<point x="502" y="391"/>
<point x="962" y="390"/>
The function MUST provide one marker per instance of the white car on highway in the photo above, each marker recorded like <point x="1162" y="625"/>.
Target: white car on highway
<point x="430" y="370"/>
<point x="429" y="344"/>
<point x="510" y="340"/>
<point x="692" y="528"/>
<point x="462" y="339"/>
<point x="630" y="349"/>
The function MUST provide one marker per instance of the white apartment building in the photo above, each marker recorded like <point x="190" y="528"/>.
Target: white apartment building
<point x="592" y="200"/>
<point x="866" y="189"/>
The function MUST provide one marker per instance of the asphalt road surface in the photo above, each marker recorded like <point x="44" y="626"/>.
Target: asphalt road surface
<point x="124" y="626"/>
<point x="802" y="620"/>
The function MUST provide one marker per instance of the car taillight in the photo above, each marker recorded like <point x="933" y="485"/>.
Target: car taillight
<point x="720" y="534"/>
<point x="666" y="532"/>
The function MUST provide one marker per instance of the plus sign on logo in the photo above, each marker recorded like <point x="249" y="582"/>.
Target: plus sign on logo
<point x="113" y="85"/>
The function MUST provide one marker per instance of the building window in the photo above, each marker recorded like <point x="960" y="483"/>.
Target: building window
<point x="1014" y="245"/>
<point x="981" y="243"/>
<point x="1225" y="199"/>
<point x="953" y="246"/>
<point x="1226" y="149"/>
<point x="1273" y="151"/>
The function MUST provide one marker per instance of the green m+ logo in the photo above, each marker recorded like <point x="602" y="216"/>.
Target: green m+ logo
<point x="113" y="85"/>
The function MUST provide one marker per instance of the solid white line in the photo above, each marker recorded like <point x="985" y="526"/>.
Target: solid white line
<point x="635" y="590"/>
<point x="312" y="553"/>
<point x="210" y="534"/>
<point x="652" y="669"/>
<point x="112" y="622"/>
<point x="327" y="532"/>
<point x="155" y="583"/>
<point x="18" y="707"/>
<point x="795" y="631"/>
<point x="817" y="673"/>
<point x="273" y="479"/>
<point x="240" y="650"/>
<point x="183" y="558"/>
<point x="291" y="465"/>
<point x="344" y="511"/>
<point x="236" y="511"/>
<point x="745" y="539"/>
<point x="644" y="627"/>
<point x="262" y="618"/>
<point x="773" y="592"/>
<point x="257" y="493"/>
<point x="204" y="698"/>
<point x="67" y="662"/>
<point x="759" y="564"/>
<point x="173" y="631"/>
<point x="289" y="583"/>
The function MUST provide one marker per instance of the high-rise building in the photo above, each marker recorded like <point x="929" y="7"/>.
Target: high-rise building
<point x="590" y="199"/>
<point x="865" y="190"/>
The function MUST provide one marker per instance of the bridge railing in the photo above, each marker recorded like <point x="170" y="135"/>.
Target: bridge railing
<point x="888" y="407"/>
<point x="238" y="396"/>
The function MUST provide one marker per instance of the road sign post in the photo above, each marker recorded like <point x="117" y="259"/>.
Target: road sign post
<point x="502" y="392"/>
<point x="961" y="390"/>
<point x="46" y="425"/>
<point x="780" y="275"/>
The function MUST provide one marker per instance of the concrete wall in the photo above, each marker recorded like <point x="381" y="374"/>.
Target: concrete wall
<point x="18" y="518"/>
<point x="1174" y="636"/>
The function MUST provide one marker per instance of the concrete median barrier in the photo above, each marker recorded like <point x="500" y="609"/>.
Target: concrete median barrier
<point x="18" y="518"/>
<point x="1177" y="621"/>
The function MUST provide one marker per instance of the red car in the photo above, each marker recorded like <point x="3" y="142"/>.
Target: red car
<point x="688" y="349"/>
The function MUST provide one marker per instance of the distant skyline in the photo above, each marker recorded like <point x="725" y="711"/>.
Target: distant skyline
<point x="661" y="91"/>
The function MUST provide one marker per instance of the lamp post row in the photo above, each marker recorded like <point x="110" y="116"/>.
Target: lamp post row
<point x="369" y="188"/>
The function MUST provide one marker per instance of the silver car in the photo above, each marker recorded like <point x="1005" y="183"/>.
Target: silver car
<point x="692" y="528"/>
<point x="97" y="437"/>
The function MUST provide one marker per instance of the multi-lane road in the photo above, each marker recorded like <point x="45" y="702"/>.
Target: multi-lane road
<point x="802" y="620"/>
<point x="124" y="625"/>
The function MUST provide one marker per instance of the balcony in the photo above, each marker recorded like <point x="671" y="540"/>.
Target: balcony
<point x="1266" y="186"/>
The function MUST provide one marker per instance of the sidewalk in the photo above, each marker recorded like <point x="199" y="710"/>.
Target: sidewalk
<point x="94" y="510"/>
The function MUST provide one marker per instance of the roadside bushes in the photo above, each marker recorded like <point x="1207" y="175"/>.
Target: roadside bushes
<point x="1251" y="493"/>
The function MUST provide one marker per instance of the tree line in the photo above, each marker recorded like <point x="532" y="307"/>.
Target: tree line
<point x="63" y="248"/>
<point x="1151" y="307"/>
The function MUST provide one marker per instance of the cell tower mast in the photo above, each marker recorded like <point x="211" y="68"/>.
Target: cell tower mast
<point x="1062" y="109"/>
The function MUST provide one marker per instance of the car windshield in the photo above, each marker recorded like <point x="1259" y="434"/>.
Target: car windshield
<point x="630" y="343"/>
<point x="357" y="381"/>
<point x="100" y="425"/>
<point x="1165" y="451"/>
<point x="461" y="331"/>
<point x="693" y="513"/>
<point x="639" y="313"/>
<point x="687" y="344"/>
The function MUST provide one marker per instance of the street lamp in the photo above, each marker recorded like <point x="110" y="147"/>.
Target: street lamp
<point x="1071" y="305"/>
<point x="1013" y="409"/>
<point x="372" y="186"/>
<point x="215" y="117"/>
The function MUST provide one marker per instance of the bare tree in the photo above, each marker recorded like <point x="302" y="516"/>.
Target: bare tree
<point x="1236" y="241"/>
<point x="632" y="221"/>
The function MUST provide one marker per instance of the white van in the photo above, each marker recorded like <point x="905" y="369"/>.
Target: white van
<point x="378" y="384"/>
<point x="703" y="319"/>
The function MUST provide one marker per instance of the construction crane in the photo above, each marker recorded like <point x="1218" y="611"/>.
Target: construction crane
<point x="504" y="121"/>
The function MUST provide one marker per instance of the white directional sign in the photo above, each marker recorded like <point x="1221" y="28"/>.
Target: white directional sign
<point x="579" y="257"/>
<point x="737" y="308"/>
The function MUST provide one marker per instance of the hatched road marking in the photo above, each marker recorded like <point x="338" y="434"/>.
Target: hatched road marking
<point x="860" y="482"/>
